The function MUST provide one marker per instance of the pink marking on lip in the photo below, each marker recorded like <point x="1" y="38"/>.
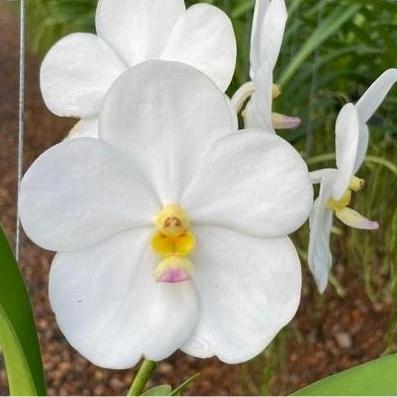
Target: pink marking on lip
<point x="173" y="276"/>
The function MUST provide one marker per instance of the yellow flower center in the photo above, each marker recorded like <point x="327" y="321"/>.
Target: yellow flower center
<point x="182" y="245"/>
<point x="174" y="242"/>
<point x="276" y="91"/>
<point x="172" y="221"/>
<point x="356" y="184"/>
<point x="337" y="205"/>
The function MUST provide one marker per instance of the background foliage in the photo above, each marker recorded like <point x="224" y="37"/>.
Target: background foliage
<point x="332" y="51"/>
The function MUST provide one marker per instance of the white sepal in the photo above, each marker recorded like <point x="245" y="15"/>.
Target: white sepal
<point x="240" y="281"/>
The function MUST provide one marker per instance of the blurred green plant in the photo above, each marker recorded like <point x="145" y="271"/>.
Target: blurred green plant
<point x="49" y="20"/>
<point x="333" y="50"/>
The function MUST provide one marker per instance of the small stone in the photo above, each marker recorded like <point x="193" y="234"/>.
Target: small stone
<point x="344" y="340"/>
<point x="165" y="368"/>
<point x="116" y="384"/>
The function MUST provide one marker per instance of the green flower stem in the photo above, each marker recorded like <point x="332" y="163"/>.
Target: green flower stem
<point x="141" y="378"/>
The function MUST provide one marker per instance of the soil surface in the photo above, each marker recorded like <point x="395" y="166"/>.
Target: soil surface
<point x="328" y="335"/>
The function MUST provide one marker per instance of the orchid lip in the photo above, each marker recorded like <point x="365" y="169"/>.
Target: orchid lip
<point x="173" y="276"/>
<point x="174" y="269"/>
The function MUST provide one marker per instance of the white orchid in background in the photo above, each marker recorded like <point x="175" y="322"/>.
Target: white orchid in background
<point x="79" y="70"/>
<point x="171" y="229"/>
<point x="338" y="184"/>
<point x="269" y="21"/>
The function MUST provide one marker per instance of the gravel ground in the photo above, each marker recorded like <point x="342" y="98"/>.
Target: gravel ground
<point x="328" y="335"/>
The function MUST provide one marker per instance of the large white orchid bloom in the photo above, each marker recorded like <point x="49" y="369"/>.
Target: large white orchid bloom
<point x="171" y="229"/>
<point x="270" y="17"/>
<point x="338" y="184"/>
<point x="78" y="71"/>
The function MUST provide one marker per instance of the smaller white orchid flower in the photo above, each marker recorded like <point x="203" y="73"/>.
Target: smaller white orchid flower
<point x="171" y="228"/>
<point x="79" y="70"/>
<point x="270" y="17"/>
<point x="337" y="185"/>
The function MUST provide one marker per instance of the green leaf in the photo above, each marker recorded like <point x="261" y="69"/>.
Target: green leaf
<point x="182" y="387"/>
<point x="376" y="378"/>
<point x="18" y="337"/>
<point x="163" y="390"/>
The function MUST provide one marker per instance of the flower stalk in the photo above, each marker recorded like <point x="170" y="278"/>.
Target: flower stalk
<point x="144" y="373"/>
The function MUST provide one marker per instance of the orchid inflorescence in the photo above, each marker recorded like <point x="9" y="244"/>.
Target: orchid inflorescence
<point x="170" y="224"/>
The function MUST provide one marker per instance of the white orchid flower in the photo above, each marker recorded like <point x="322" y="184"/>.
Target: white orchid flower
<point x="338" y="184"/>
<point x="79" y="70"/>
<point x="270" y="17"/>
<point x="171" y="229"/>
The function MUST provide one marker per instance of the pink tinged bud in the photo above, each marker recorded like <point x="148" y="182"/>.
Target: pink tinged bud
<point x="173" y="276"/>
<point x="281" y="122"/>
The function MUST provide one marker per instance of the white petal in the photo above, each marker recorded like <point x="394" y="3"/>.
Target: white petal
<point x="137" y="29"/>
<point x="204" y="38"/>
<point x="166" y="114"/>
<point x="362" y="149"/>
<point x="260" y="10"/>
<point x="85" y="128"/>
<point x="253" y="182"/>
<point x="375" y="95"/>
<point x="110" y="308"/>
<point x="367" y="106"/>
<point x="317" y="176"/>
<point x="248" y="289"/>
<point x="267" y="34"/>
<point x="353" y="219"/>
<point x="262" y="99"/>
<point x="233" y="113"/>
<point x="251" y="120"/>
<point x="320" y="257"/>
<point x="81" y="191"/>
<point x="347" y="132"/>
<point x="76" y="74"/>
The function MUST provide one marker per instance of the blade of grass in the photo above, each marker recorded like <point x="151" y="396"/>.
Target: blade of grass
<point x="329" y="26"/>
